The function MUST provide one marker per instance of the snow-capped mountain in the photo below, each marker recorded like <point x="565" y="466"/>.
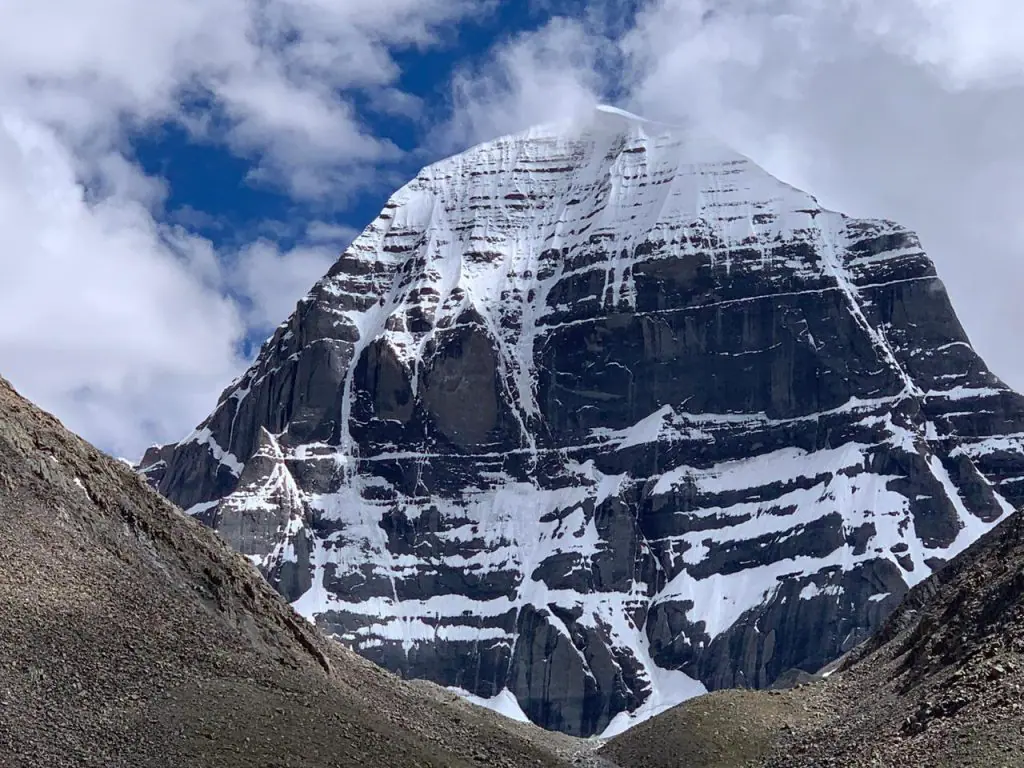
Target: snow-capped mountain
<point x="598" y="416"/>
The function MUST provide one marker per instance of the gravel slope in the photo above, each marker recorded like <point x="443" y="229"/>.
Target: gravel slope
<point x="942" y="683"/>
<point x="132" y="636"/>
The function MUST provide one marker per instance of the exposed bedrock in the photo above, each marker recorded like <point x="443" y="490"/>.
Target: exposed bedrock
<point x="605" y="415"/>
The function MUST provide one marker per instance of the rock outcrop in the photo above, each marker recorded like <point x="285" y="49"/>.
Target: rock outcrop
<point x="938" y="684"/>
<point x="603" y="415"/>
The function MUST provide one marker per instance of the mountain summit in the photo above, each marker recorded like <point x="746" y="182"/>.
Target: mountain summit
<point x="601" y="415"/>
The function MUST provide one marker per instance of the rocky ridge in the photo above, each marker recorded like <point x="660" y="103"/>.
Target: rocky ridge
<point x="943" y="681"/>
<point x="940" y="685"/>
<point x="599" y="416"/>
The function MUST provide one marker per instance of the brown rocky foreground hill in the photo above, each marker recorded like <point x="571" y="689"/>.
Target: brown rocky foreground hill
<point x="940" y="685"/>
<point x="132" y="636"/>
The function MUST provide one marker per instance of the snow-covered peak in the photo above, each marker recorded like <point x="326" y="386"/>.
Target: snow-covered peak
<point x="608" y="109"/>
<point x="495" y="228"/>
<point x="563" y="184"/>
<point x="608" y="389"/>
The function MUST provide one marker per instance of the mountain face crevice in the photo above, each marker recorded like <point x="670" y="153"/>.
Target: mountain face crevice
<point x="605" y="415"/>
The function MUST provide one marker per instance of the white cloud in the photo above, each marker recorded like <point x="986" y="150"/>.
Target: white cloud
<point x="270" y="74"/>
<point x="970" y="44"/>
<point x="273" y="281"/>
<point x="105" y="317"/>
<point x="120" y="323"/>
<point x="542" y="76"/>
<point x="117" y="323"/>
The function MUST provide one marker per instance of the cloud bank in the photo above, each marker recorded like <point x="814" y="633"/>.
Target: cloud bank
<point x="125" y="326"/>
<point x="128" y="325"/>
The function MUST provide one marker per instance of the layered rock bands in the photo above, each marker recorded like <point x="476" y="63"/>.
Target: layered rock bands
<point x="600" y="416"/>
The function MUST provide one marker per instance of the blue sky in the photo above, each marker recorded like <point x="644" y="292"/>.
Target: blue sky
<point x="205" y="176"/>
<point x="209" y="178"/>
<point x="210" y="187"/>
<point x="174" y="176"/>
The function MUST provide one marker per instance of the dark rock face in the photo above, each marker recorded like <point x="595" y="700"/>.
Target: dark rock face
<point x="603" y="416"/>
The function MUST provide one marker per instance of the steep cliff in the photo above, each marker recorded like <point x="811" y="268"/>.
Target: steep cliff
<point x="602" y="415"/>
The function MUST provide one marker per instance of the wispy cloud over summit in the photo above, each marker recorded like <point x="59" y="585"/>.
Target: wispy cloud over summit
<point x="128" y="301"/>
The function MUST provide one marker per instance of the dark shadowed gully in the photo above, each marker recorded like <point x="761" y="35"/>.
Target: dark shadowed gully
<point x="602" y="415"/>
